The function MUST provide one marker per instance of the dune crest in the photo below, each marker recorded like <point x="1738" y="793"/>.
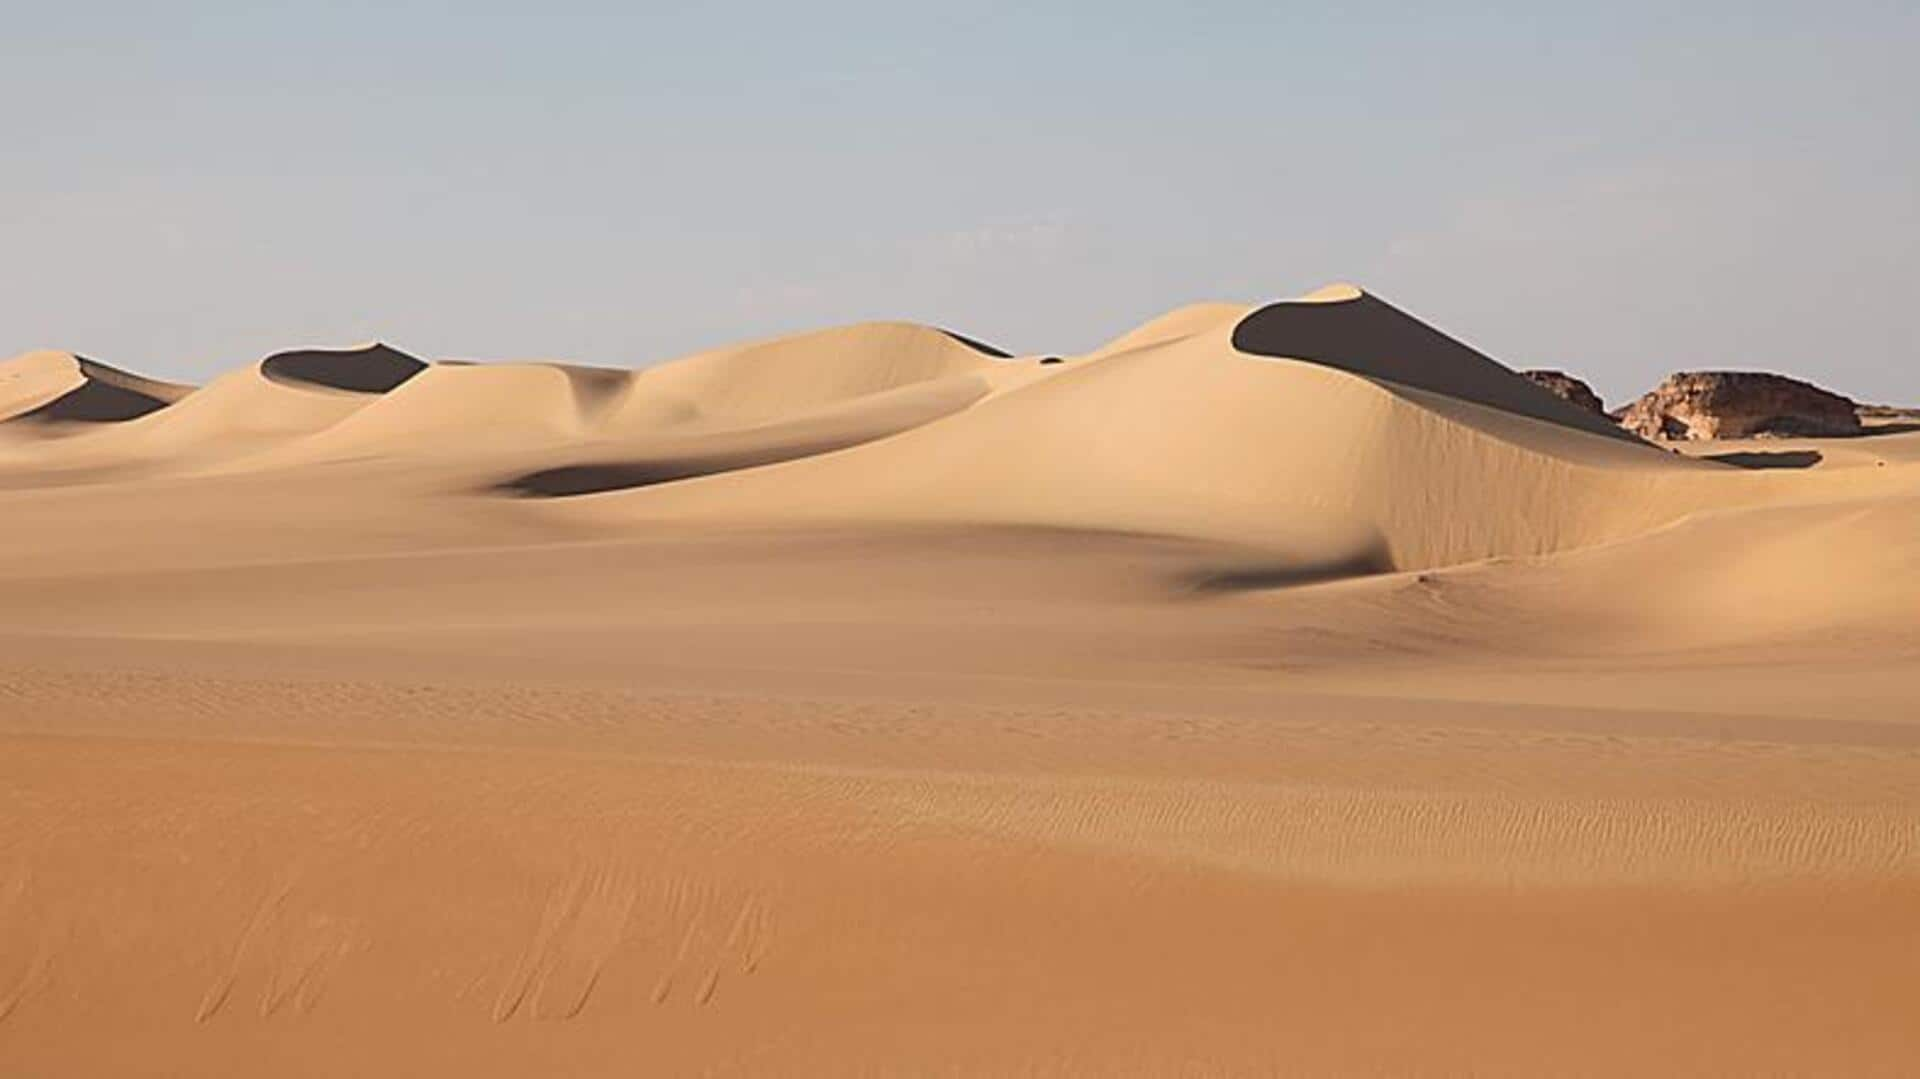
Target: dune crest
<point x="59" y="388"/>
<point x="1180" y="322"/>
<point x="1344" y="327"/>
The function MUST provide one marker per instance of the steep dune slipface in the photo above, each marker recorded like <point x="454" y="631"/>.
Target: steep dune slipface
<point x="1340" y="326"/>
<point x="372" y="368"/>
<point x="58" y="389"/>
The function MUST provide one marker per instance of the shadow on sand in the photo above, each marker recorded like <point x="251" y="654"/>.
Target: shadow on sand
<point x="1768" y="458"/>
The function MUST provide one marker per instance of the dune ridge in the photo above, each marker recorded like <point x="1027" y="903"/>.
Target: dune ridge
<point x="1192" y="437"/>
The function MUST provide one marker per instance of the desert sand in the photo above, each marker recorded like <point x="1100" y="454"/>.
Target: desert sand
<point x="1280" y="690"/>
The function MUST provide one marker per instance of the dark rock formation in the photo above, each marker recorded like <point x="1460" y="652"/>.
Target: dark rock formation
<point x="1739" y="404"/>
<point x="1567" y="388"/>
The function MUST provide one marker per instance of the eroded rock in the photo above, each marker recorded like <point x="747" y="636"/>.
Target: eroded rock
<point x="1695" y="405"/>
<point x="1568" y="388"/>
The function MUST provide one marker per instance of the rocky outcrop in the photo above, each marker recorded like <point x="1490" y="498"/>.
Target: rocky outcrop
<point x="1739" y="404"/>
<point x="1567" y="388"/>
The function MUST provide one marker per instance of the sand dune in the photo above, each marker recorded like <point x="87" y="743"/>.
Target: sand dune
<point x="1342" y="327"/>
<point x="1289" y="690"/>
<point x="283" y="397"/>
<point x="712" y="412"/>
<point x="450" y="409"/>
<point x="776" y="379"/>
<point x="645" y="460"/>
<point x="1192" y="437"/>
<point x="54" y="389"/>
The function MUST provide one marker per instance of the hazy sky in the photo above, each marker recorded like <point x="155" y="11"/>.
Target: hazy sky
<point x="1622" y="190"/>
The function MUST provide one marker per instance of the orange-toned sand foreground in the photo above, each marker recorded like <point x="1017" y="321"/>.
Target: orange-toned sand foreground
<point x="1291" y="691"/>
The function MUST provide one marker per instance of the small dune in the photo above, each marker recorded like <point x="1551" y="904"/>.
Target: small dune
<point x="285" y="397"/>
<point x="788" y="376"/>
<point x="58" y="388"/>
<point x="463" y="410"/>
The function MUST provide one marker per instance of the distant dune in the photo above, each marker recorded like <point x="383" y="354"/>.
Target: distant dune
<point x="55" y="388"/>
<point x="1289" y="689"/>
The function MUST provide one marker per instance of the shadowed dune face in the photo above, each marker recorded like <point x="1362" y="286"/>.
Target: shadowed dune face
<point x="980" y="346"/>
<point x="95" y="402"/>
<point x="1358" y="333"/>
<point x="373" y="369"/>
<point x="59" y="388"/>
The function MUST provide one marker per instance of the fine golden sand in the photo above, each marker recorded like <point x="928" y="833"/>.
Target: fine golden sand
<point x="1278" y="692"/>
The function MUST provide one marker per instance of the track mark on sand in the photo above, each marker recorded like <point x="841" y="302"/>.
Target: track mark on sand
<point x="297" y="973"/>
<point x="38" y="968"/>
<point x="216" y="995"/>
<point x="664" y="987"/>
<point x="696" y="930"/>
<point x="583" y="922"/>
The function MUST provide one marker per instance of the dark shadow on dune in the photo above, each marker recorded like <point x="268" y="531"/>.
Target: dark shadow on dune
<point x="374" y="369"/>
<point x="979" y="346"/>
<point x="94" y="402"/>
<point x="1372" y="338"/>
<point x="1260" y="577"/>
<point x="665" y="459"/>
<point x="1768" y="458"/>
<point x="594" y="477"/>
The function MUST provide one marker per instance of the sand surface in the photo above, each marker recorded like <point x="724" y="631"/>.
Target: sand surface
<point x="1291" y="691"/>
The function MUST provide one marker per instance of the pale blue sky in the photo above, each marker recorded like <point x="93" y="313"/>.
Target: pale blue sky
<point x="1621" y="190"/>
